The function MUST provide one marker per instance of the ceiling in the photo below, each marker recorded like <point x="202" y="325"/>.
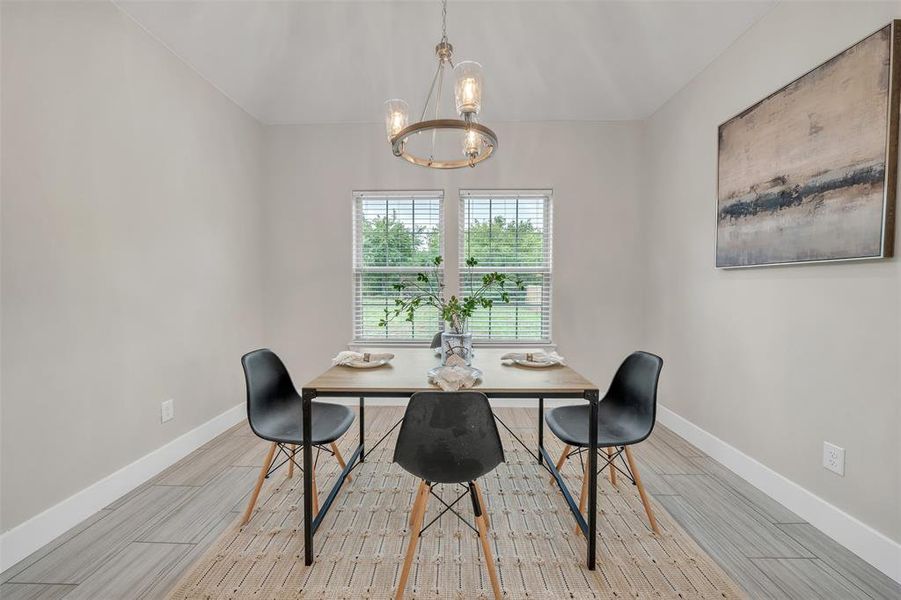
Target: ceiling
<point x="338" y="61"/>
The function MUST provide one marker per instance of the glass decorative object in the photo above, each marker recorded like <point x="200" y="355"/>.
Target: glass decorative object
<point x="472" y="144"/>
<point x="468" y="87"/>
<point x="397" y="116"/>
<point x="456" y="343"/>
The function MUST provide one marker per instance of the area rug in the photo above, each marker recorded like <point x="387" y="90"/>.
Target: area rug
<point x="360" y="545"/>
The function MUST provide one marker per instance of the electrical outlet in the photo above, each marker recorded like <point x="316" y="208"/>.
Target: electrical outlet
<point x="834" y="458"/>
<point x="167" y="410"/>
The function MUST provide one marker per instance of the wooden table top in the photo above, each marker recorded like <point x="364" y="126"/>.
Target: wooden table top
<point x="407" y="373"/>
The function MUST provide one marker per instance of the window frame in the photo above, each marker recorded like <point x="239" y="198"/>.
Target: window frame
<point x="358" y="268"/>
<point x="548" y="196"/>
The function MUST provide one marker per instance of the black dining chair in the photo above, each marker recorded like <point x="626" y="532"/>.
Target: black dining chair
<point x="275" y="414"/>
<point x="626" y="416"/>
<point x="448" y="438"/>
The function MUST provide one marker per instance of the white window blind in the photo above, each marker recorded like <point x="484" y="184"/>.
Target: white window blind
<point x="509" y="232"/>
<point x="396" y="235"/>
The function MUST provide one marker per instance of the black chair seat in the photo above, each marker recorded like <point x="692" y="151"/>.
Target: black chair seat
<point x="626" y="414"/>
<point x="275" y="414"/>
<point x="570" y="424"/>
<point x="275" y="409"/>
<point x="285" y="424"/>
<point x="448" y="437"/>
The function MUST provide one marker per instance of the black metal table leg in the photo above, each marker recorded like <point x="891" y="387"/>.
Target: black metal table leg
<point x="362" y="431"/>
<point x="307" y="395"/>
<point x="333" y="493"/>
<point x="592" y="397"/>
<point x="567" y="496"/>
<point x="540" y="427"/>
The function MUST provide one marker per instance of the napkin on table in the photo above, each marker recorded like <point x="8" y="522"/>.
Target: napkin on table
<point x="537" y="357"/>
<point x="455" y="375"/>
<point x="348" y="357"/>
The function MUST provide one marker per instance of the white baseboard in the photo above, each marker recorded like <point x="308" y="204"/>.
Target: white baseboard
<point x="872" y="546"/>
<point x="22" y="540"/>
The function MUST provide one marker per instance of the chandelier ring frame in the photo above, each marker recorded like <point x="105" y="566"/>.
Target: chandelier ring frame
<point x="398" y="143"/>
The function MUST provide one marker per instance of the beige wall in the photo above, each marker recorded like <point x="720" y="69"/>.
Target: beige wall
<point x="773" y="360"/>
<point x="595" y="170"/>
<point x="130" y="249"/>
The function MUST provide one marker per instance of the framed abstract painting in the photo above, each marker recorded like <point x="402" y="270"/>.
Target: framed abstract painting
<point x="809" y="173"/>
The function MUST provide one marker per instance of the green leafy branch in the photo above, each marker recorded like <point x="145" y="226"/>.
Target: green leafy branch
<point x="427" y="289"/>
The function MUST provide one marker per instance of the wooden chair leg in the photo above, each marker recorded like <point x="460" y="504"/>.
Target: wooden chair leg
<point x="610" y="466"/>
<point x="562" y="460"/>
<point x="256" y="491"/>
<point x="563" y="456"/>
<point x="315" y="491"/>
<point x="482" y="524"/>
<point x="641" y="492"/>
<point x="416" y="500"/>
<point x="583" y="496"/>
<point x="339" y="458"/>
<point x="417" y="514"/>
<point x="482" y="504"/>
<point x="423" y="491"/>
<point x="291" y="462"/>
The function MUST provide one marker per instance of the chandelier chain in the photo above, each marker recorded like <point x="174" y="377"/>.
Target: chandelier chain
<point x="444" y="20"/>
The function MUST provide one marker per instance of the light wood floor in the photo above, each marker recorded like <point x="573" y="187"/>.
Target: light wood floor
<point x="139" y="546"/>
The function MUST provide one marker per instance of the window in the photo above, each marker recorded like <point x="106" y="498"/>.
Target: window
<point x="395" y="235"/>
<point x="509" y="232"/>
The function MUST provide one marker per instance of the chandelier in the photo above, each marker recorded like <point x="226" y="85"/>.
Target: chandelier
<point x="476" y="142"/>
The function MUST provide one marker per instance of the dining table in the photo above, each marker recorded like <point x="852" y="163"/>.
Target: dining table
<point x="406" y="374"/>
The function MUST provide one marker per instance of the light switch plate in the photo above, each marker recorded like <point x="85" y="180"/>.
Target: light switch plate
<point x="167" y="410"/>
<point x="834" y="458"/>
